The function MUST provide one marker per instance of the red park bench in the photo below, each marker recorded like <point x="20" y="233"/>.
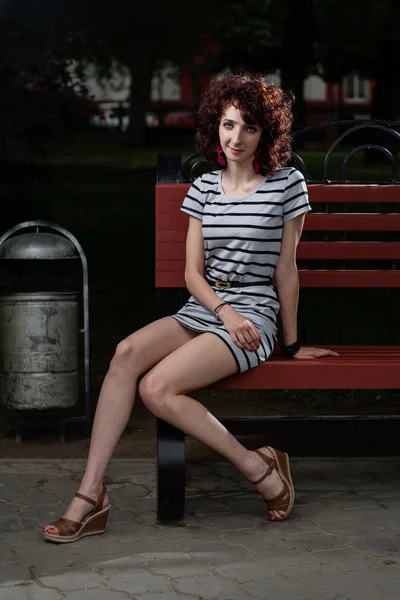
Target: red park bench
<point x="358" y="367"/>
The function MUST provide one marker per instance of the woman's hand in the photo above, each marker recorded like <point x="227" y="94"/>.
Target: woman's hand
<point x="306" y="352"/>
<point x="242" y="330"/>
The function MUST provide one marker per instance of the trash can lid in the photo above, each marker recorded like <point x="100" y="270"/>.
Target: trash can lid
<point x="38" y="245"/>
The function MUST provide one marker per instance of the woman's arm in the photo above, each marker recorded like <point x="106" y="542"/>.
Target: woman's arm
<point x="287" y="284"/>
<point x="194" y="267"/>
<point x="241" y="329"/>
<point x="287" y="278"/>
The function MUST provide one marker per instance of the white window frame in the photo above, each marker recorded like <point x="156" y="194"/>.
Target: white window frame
<point x="357" y="99"/>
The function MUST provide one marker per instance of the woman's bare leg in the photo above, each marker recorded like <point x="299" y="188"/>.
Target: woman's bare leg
<point x="202" y="361"/>
<point x="134" y="356"/>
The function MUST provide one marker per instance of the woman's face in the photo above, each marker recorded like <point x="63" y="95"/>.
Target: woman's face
<point x="238" y="139"/>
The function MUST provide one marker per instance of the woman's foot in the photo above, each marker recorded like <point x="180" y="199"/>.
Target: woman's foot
<point x="79" y="508"/>
<point x="271" y="486"/>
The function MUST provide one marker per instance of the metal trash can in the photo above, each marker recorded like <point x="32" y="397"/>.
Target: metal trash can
<point x="39" y="350"/>
<point x="41" y="354"/>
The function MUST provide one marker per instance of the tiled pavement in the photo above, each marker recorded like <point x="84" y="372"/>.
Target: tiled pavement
<point x="342" y="542"/>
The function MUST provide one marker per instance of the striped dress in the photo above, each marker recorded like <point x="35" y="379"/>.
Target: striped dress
<point x="242" y="242"/>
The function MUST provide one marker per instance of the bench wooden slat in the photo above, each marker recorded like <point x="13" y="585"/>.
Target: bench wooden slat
<point x="322" y="193"/>
<point x="352" y="222"/>
<point x="170" y="273"/>
<point x="348" y="250"/>
<point x="177" y="221"/>
<point x="175" y="250"/>
<point x="349" y="279"/>
<point x="354" y="193"/>
<point x="357" y="367"/>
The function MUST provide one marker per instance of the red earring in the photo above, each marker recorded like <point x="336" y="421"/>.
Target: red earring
<point x="221" y="158"/>
<point x="256" y="167"/>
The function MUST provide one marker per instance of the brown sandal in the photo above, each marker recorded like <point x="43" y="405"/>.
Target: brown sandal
<point x="92" y="524"/>
<point x="284" y="500"/>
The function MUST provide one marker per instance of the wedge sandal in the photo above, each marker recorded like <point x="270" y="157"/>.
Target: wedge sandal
<point x="280" y="462"/>
<point x="93" y="523"/>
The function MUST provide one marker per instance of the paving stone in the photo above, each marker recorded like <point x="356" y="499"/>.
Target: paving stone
<point x="255" y="507"/>
<point x="7" y="555"/>
<point x="129" y="492"/>
<point x="10" y="525"/>
<point x="251" y="538"/>
<point x="246" y="571"/>
<point x="149" y="547"/>
<point x="348" y="560"/>
<point x="388" y="590"/>
<point x="14" y="575"/>
<point x="348" y="528"/>
<point x="377" y="575"/>
<point x="136" y="505"/>
<point x="279" y="590"/>
<point x="228" y="522"/>
<point x="317" y="541"/>
<point x="122" y="516"/>
<point x="216" y="551"/>
<point x="345" y="520"/>
<point x="315" y="574"/>
<point x="355" y="502"/>
<point x="47" y="558"/>
<point x="31" y="591"/>
<point x="283" y="555"/>
<point x="45" y="514"/>
<point x="349" y="591"/>
<point x="138" y="582"/>
<point x="209" y="587"/>
<point x="188" y="533"/>
<point x="381" y="518"/>
<point x="318" y="512"/>
<point x="107" y="565"/>
<point x="96" y="594"/>
<point x="322" y="485"/>
<point x="7" y="510"/>
<point x="176" y="564"/>
<point x="22" y="541"/>
<point x="377" y="544"/>
<point x="163" y="596"/>
<point x="72" y="580"/>
<point x="96" y="544"/>
<point x="35" y="498"/>
<point x="392" y="502"/>
<point x="196" y="505"/>
<point x="136" y="531"/>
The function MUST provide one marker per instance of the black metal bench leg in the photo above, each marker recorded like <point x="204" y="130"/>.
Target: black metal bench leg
<point x="170" y="472"/>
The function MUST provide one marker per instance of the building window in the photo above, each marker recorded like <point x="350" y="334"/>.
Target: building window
<point x="355" y="88"/>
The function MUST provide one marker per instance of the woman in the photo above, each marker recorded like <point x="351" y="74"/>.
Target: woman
<point x="246" y="219"/>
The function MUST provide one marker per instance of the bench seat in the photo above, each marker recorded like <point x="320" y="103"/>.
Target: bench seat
<point x="357" y="367"/>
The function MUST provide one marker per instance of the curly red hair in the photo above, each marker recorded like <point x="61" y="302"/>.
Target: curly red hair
<point x="260" y="103"/>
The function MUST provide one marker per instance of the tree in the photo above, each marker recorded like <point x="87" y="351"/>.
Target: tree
<point x="137" y="36"/>
<point x="268" y="35"/>
<point x="38" y="103"/>
<point x="362" y="35"/>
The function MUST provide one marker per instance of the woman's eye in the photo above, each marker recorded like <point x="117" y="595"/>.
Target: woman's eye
<point x="228" y="125"/>
<point x="251" y="129"/>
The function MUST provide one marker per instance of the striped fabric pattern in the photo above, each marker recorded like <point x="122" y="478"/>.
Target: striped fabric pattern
<point x="242" y="242"/>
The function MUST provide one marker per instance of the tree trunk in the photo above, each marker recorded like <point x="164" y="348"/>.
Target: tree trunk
<point x="141" y="73"/>
<point x="297" y="52"/>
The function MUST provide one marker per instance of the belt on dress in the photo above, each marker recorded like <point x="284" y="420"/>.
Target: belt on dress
<point x="225" y="285"/>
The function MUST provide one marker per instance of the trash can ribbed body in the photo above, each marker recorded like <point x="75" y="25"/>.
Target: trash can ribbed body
<point x="39" y="350"/>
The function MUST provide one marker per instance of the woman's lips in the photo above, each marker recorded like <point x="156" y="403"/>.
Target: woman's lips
<point x="235" y="150"/>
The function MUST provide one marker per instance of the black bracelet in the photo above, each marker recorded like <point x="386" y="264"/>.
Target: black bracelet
<point x="219" y="307"/>
<point x="292" y="349"/>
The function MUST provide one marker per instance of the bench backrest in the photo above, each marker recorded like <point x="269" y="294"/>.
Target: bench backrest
<point x="350" y="238"/>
